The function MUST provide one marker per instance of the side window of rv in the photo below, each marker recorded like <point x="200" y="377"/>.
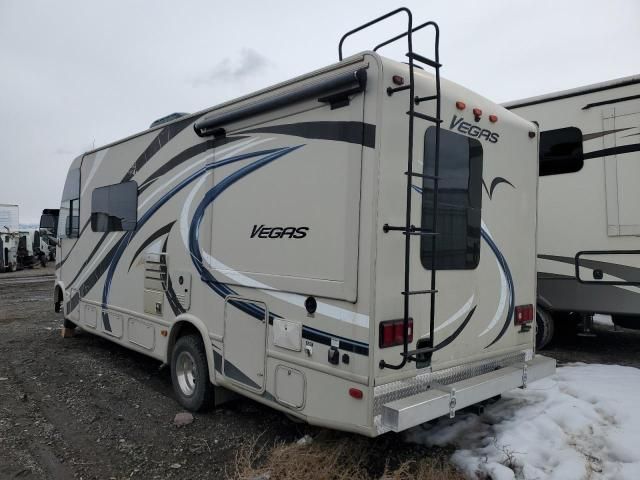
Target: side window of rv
<point x="114" y="208"/>
<point x="68" y="222"/>
<point x="459" y="201"/>
<point x="561" y="151"/>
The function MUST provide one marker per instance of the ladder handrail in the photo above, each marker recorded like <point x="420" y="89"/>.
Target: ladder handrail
<point x="419" y="27"/>
<point x="374" y="21"/>
<point x="412" y="114"/>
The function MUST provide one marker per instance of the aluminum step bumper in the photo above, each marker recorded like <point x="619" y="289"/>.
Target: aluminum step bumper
<point x="442" y="400"/>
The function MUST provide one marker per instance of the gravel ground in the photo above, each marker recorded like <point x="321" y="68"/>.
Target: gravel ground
<point x="86" y="408"/>
<point x="610" y="345"/>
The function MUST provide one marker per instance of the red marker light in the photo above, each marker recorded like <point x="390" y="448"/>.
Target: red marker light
<point x="523" y="314"/>
<point x="460" y="105"/>
<point x="398" y="80"/>
<point x="356" y="393"/>
<point x="493" y="118"/>
<point x="392" y="333"/>
<point x="477" y="112"/>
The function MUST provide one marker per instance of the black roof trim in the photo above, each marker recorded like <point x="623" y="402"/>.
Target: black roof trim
<point x="609" y="102"/>
<point x="572" y="93"/>
<point x="354" y="81"/>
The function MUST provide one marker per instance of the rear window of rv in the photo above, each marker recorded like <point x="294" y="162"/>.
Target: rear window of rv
<point x="459" y="201"/>
<point x="561" y="151"/>
<point x="114" y="208"/>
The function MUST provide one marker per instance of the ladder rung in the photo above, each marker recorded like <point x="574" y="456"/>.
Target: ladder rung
<point x="425" y="117"/>
<point x="418" y="100"/>
<point x="412" y="230"/>
<point x="418" y="351"/>
<point x="422" y="233"/>
<point x="392" y="90"/>
<point x="420" y="292"/>
<point x="425" y="60"/>
<point x="422" y="175"/>
<point x="388" y="228"/>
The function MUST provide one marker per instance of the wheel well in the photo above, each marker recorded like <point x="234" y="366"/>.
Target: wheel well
<point x="180" y="329"/>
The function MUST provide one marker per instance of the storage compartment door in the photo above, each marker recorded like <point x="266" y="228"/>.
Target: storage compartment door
<point x="244" y="342"/>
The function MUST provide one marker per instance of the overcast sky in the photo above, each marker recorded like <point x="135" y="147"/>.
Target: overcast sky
<point x="74" y="74"/>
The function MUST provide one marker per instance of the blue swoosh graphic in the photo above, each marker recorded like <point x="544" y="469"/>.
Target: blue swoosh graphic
<point x="126" y="239"/>
<point x="504" y="266"/>
<point x="194" y="231"/>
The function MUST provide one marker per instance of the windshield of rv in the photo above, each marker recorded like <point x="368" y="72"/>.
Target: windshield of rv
<point x="49" y="222"/>
<point x="70" y="206"/>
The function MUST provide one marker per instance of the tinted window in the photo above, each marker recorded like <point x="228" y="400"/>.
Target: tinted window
<point x="72" y="185"/>
<point x="114" y="207"/>
<point x="561" y="151"/>
<point x="72" y="222"/>
<point x="70" y="206"/>
<point x="459" y="201"/>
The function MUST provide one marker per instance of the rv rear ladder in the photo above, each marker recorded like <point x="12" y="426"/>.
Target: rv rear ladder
<point x="409" y="230"/>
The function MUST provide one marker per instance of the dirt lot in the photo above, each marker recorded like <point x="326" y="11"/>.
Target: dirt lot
<point x="616" y="346"/>
<point x="86" y="408"/>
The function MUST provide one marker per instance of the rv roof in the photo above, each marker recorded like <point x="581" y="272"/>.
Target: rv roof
<point x="358" y="57"/>
<point x="574" y="92"/>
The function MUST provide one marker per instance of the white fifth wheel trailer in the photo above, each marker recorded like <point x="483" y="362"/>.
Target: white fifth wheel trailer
<point x="589" y="203"/>
<point x="283" y="246"/>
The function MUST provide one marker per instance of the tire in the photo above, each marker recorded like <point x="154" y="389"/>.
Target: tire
<point x="190" y="374"/>
<point x="544" y="328"/>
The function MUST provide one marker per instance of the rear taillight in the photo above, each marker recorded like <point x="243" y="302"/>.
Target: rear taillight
<point x="391" y="333"/>
<point x="523" y="314"/>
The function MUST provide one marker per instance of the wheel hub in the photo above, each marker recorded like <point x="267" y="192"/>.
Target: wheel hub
<point x="186" y="373"/>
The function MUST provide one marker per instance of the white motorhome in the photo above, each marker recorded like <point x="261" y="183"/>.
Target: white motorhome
<point x="9" y="224"/>
<point x="282" y="246"/>
<point x="589" y="215"/>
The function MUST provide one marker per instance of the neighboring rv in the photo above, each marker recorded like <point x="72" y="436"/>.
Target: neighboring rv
<point x="28" y="248"/>
<point x="9" y="217"/>
<point x="282" y="246"/>
<point x="589" y="203"/>
<point x="9" y="224"/>
<point x="8" y="250"/>
<point x="49" y="232"/>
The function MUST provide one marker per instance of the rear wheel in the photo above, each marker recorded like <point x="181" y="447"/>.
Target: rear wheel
<point x="190" y="374"/>
<point x="544" y="328"/>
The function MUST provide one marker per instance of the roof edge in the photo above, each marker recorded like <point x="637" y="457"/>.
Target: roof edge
<point x="574" y="92"/>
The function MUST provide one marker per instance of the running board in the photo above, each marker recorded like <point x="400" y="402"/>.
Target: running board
<point x="446" y="399"/>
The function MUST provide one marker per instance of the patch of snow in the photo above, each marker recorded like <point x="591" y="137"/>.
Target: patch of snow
<point x="604" y="320"/>
<point x="584" y="422"/>
<point x="306" y="440"/>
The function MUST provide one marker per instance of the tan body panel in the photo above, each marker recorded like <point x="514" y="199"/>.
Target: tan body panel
<point x="289" y="204"/>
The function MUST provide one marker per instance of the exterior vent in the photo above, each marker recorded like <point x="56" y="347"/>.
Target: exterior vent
<point x="168" y="118"/>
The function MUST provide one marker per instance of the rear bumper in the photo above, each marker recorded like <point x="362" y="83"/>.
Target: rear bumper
<point x="445" y="399"/>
